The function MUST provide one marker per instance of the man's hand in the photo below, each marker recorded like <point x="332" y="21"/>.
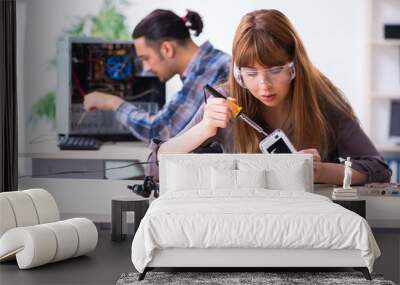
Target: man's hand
<point x="101" y="101"/>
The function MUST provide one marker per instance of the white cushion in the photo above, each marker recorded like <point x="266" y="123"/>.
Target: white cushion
<point x="23" y="208"/>
<point x="87" y="233"/>
<point x="34" y="244"/>
<point x="45" y="205"/>
<point x="186" y="177"/>
<point x="251" y="178"/>
<point x="67" y="239"/>
<point x="40" y="244"/>
<point x="222" y="179"/>
<point x="297" y="181"/>
<point x="7" y="218"/>
<point x="27" y="208"/>
<point x="191" y="175"/>
<point x="292" y="172"/>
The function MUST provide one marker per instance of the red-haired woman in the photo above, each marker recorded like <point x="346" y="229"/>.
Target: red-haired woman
<point x="275" y="82"/>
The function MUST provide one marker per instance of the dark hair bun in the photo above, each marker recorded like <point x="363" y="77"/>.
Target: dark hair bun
<point x="194" y="22"/>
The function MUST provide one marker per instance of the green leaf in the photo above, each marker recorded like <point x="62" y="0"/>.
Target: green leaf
<point x="109" y="24"/>
<point x="78" y="28"/>
<point x="45" y="108"/>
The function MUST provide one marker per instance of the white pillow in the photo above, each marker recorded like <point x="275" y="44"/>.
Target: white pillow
<point x="186" y="175"/>
<point x="292" y="178"/>
<point x="283" y="172"/>
<point x="251" y="178"/>
<point x="223" y="179"/>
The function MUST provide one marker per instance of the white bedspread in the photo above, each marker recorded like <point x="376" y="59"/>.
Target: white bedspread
<point x="255" y="218"/>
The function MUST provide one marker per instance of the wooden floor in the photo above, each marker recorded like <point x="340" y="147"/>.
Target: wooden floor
<point x="102" y="266"/>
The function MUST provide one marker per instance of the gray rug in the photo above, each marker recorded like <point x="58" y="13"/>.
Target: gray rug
<point x="230" y="278"/>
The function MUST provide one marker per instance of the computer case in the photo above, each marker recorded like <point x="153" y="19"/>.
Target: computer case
<point x="85" y="65"/>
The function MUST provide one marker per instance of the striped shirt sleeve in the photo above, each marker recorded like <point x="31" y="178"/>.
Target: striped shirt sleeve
<point x="211" y="67"/>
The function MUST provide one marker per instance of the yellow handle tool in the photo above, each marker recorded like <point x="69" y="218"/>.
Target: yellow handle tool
<point x="236" y="110"/>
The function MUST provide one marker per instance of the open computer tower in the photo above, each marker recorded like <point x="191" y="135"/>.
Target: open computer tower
<point x="85" y="65"/>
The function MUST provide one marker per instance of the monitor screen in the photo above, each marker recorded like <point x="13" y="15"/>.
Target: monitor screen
<point x="394" y="127"/>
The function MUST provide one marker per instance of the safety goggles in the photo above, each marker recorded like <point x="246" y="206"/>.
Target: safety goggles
<point x="251" y="78"/>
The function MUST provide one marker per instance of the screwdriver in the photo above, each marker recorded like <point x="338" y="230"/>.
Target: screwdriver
<point x="236" y="110"/>
<point x="83" y="115"/>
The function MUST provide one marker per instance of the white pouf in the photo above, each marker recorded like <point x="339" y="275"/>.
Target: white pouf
<point x="31" y="232"/>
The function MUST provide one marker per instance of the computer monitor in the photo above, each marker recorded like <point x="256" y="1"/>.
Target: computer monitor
<point x="85" y="65"/>
<point x="394" y="124"/>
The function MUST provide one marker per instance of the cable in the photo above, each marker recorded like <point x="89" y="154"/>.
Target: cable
<point x="78" y="85"/>
<point x="101" y="87"/>
<point x="142" y="94"/>
<point x="88" y="171"/>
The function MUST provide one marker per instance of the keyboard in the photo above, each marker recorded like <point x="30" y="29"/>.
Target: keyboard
<point x="78" y="143"/>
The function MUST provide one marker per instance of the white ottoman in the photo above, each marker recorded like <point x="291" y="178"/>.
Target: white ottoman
<point x="31" y="232"/>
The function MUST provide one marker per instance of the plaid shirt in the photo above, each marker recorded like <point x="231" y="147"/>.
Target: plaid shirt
<point x="209" y="66"/>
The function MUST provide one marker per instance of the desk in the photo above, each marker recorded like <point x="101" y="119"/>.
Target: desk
<point x="377" y="207"/>
<point x="45" y="160"/>
<point x="108" y="151"/>
<point x="89" y="197"/>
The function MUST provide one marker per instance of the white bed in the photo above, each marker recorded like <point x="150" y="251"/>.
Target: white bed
<point x="240" y="211"/>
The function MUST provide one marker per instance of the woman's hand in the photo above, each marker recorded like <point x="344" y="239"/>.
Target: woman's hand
<point x="318" y="166"/>
<point x="332" y="173"/>
<point x="216" y="115"/>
